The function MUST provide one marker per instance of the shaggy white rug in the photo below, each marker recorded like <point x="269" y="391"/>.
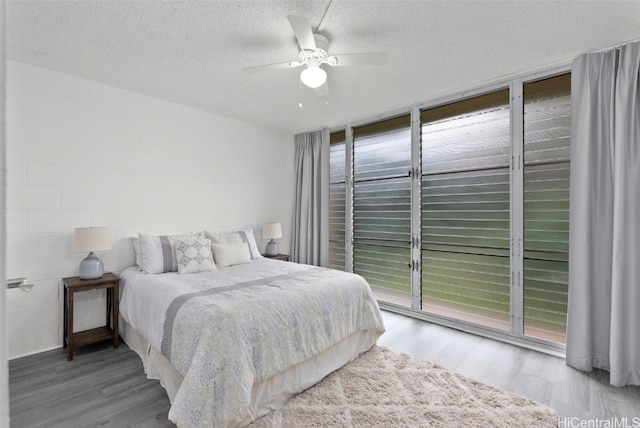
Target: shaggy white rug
<point x="384" y="388"/>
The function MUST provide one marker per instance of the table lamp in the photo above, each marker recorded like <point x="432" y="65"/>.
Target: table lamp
<point x="91" y="239"/>
<point x="272" y="231"/>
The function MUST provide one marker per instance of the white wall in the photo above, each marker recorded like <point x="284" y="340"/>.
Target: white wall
<point x="4" y="369"/>
<point x="80" y="154"/>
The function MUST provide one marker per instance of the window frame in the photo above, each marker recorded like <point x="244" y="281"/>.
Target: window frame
<point x="395" y="127"/>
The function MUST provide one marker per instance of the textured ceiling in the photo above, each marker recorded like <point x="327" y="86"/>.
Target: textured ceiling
<point x="193" y="52"/>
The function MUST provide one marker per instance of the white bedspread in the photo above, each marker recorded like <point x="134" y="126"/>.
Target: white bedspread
<point x="240" y="325"/>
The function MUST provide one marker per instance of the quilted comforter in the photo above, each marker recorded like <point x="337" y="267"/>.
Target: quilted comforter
<point x="224" y="331"/>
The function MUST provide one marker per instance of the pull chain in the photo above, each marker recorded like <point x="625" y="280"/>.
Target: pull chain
<point x="299" y="93"/>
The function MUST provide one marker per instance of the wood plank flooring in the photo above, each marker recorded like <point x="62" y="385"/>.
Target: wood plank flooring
<point x="541" y="377"/>
<point x="102" y="386"/>
<point x="107" y="387"/>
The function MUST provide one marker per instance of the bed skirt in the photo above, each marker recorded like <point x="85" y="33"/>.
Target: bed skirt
<point x="268" y="394"/>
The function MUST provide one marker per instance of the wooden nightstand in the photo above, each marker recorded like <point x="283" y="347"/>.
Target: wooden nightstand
<point x="73" y="285"/>
<point x="283" y="257"/>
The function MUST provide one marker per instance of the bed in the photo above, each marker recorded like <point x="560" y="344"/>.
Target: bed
<point x="231" y="344"/>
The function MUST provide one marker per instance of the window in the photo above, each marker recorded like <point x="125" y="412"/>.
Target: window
<point x="547" y="137"/>
<point x="337" y="199"/>
<point x="382" y="207"/>
<point x="486" y="196"/>
<point x="465" y="210"/>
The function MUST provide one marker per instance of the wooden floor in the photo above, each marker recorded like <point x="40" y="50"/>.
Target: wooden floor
<point x="541" y="377"/>
<point x="107" y="387"/>
<point x="101" y="386"/>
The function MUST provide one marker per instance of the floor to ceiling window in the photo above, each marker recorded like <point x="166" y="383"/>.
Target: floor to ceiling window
<point x="490" y="214"/>
<point x="547" y="139"/>
<point x="337" y="201"/>
<point x="382" y="207"/>
<point x="466" y="157"/>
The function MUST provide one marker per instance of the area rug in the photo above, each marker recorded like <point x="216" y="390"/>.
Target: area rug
<point x="384" y="388"/>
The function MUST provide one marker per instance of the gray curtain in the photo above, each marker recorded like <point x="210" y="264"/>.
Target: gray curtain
<point x="603" y="327"/>
<point x="310" y="237"/>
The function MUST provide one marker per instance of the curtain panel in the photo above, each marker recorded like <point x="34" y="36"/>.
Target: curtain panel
<point x="310" y="237"/>
<point x="604" y="258"/>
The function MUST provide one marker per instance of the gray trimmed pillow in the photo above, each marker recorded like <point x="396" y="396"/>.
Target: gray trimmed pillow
<point x="194" y="255"/>
<point x="157" y="252"/>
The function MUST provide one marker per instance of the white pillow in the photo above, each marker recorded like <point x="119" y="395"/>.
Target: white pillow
<point x="194" y="255"/>
<point x="157" y="252"/>
<point x="246" y="236"/>
<point x="231" y="254"/>
<point x="136" y="249"/>
<point x="251" y="240"/>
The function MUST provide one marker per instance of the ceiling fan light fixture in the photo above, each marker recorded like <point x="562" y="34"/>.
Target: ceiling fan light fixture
<point x="313" y="76"/>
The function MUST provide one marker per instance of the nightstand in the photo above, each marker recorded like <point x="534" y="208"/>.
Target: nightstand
<point x="283" y="257"/>
<point x="73" y="285"/>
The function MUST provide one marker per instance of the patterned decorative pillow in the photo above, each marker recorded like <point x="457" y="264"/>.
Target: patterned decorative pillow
<point x="194" y="255"/>
<point x="157" y="252"/>
<point x="231" y="254"/>
<point x="245" y="235"/>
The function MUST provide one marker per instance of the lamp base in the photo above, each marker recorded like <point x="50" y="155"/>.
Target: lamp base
<point x="91" y="267"/>
<point x="272" y="248"/>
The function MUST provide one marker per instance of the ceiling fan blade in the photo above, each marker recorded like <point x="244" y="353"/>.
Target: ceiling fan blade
<point x="322" y="90"/>
<point x="268" y="67"/>
<point x="369" y="58"/>
<point x="304" y="33"/>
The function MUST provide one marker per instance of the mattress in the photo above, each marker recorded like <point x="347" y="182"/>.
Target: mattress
<point x="231" y="345"/>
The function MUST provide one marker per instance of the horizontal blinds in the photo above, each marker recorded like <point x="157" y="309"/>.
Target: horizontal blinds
<point x="382" y="207"/>
<point x="337" y="156"/>
<point x="337" y="226"/>
<point x="547" y="135"/>
<point x="385" y="268"/>
<point x="382" y="150"/>
<point x="382" y="210"/>
<point x="465" y="209"/>
<point x="471" y="287"/>
<point x="337" y="200"/>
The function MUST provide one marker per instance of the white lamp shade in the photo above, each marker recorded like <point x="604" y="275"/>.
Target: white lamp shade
<point x="91" y="239"/>
<point x="313" y="76"/>
<point x="271" y="230"/>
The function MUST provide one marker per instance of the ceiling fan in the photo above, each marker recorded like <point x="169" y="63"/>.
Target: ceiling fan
<point x="314" y="54"/>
